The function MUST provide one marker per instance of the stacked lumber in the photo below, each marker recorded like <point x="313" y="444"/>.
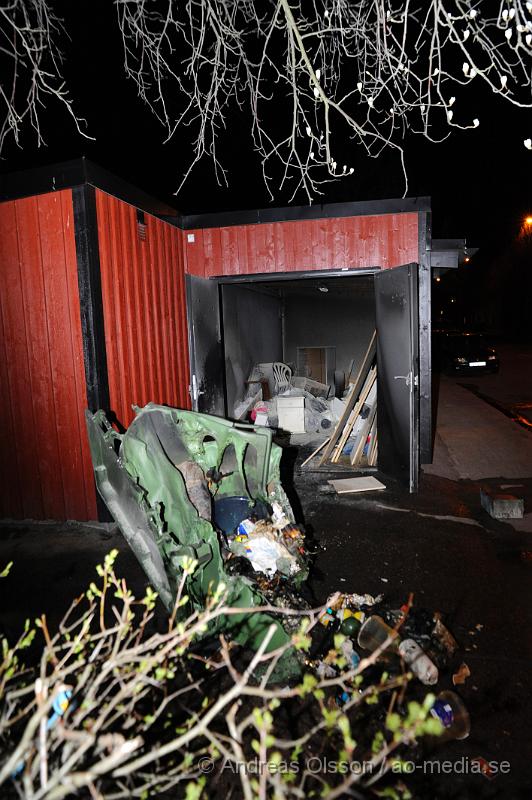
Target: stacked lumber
<point x="358" y="423"/>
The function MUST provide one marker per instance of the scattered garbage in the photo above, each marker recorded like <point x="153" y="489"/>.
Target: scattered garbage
<point x="460" y="676"/>
<point x="396" y="639"/>
<point x="418" y="661"/>
<point x="188" y="488"/>
<point x="502" y="506"/>
<point x="311" y="386"/>
<point x="374" y="633"/>
<point x="453" y="715"/>
<point x="366" y="483"/>
<point x="276" y="398"/>
<point x="443" y="637"/>
<point x="485" y="768"/>
<point x="269" y="549"/>
<point x="178" y="484"/>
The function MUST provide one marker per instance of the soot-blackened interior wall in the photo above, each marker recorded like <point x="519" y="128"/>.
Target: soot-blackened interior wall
<point x="252" y="335"/>
<point x="343" y="318"/>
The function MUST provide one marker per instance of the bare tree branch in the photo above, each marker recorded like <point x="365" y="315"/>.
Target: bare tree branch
<point x="32" y="68"/>
<point x="321" y="77"/>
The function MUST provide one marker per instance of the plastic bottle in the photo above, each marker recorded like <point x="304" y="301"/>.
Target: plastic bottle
<point x="453" y="715"/>
<point x="374" y="633"/>
<point x="350" y="626"/>
<point x="418" y="661"/>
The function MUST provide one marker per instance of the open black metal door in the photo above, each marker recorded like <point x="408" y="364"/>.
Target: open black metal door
<point x="205" y="346"/>
<point x="396" y="299"/>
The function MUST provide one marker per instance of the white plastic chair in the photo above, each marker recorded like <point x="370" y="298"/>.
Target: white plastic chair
<point x="281" y="376"/>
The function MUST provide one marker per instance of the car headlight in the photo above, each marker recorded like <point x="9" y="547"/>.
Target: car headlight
<point x="492" y="358"/>
<point x="460" y="360"/>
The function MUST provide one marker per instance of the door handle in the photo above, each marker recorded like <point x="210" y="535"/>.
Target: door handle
<point x="407" y="379"/>
<point x="193" y="390"/>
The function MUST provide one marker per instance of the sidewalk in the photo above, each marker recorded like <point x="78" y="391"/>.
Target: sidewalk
<point x="475" y="441"/>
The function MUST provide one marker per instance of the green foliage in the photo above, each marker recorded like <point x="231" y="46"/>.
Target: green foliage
<point x="156" y="705"/>
<point x="7" y="569"/>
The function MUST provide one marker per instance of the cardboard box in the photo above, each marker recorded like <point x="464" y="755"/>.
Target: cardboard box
<point x="312" y="387"/>
<point x="291" y="413"/>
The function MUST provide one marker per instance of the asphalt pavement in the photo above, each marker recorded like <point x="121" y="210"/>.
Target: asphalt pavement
<point x="511" y="388"/>
<point x="442" y="546"/>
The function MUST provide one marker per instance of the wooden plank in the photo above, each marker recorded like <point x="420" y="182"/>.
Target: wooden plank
<point x="374" y="449"/>
<point x="315" y="453"/>
<point x="356" y="455"/>
<point x="345" y="433"/>
<point x="356" y="388"/>
<point x="366" y="362"/>
<point x="363" y="432"/>
<point x="370" y="380"/>
<point x="371" y="435"/>
<point x="367" y="483"/>
<point x="349" y="403"/>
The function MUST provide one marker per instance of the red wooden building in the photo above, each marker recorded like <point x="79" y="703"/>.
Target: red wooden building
<point x="109" y="298"/>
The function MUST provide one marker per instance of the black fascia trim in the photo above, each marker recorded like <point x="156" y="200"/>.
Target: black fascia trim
<point x="111" y="184"/>
<point x="274" y="277"/>
<point x="297" y="213"/>
<point x="448" y="244"/>
<point x="81" y="171"/>
<point x="90" y="298"/>
<point x="51" y="178"/>
<point x="78" y="172"/>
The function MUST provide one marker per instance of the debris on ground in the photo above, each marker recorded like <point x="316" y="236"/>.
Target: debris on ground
<point x="484" y="767"/>
<point x="189" y="487"/>
<point x="366" y="483"/>
<point x="502" y="506"/>
<point x="395" y="640"/>
<point x="276" y="398"/>
<point x="354" y="440"/>
<point x="462" y="674"/>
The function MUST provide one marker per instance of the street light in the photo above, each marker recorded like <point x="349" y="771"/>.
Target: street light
<point x="526" y="227"/>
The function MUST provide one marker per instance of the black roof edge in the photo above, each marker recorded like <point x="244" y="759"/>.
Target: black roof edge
<point x="449" y="244"/>
<point x="79" y="171"/>
<point x="316" y="211"/>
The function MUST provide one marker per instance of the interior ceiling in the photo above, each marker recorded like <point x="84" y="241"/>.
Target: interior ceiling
<point x="304" y="287"/>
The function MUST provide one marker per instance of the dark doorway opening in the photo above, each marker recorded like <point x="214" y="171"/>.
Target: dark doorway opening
<point x="317" y="322"/>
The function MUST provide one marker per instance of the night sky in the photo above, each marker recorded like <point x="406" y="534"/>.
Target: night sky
<point x="480" y="180"/>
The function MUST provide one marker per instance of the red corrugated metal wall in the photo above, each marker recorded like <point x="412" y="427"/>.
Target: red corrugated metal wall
<point x="45" y="467"/>
<point x="384" y="240"/>
<point x="144" y="309"/>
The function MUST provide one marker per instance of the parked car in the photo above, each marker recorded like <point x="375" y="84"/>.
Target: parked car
<point x="458" y="352"/>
